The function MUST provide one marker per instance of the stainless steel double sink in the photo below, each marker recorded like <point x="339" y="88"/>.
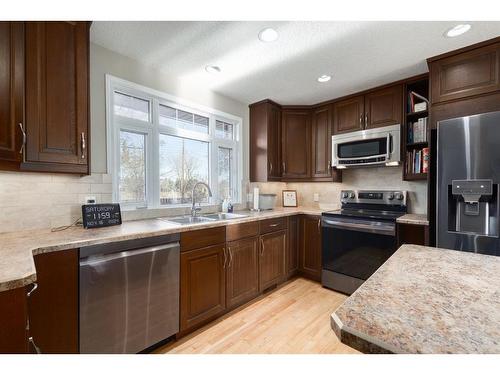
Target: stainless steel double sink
<point x="186" y="220"/>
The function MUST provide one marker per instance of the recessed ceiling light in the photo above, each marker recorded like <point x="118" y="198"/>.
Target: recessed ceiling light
<point x="212" y="69"/>
<point x="457" y="30"/>
<point x="268" y="35"/>
<point x="324" y="78"/>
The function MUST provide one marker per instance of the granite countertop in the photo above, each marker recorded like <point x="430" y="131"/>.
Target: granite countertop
<point x="17" y="249"/>
<point x="416" y="219"/>
<point x="425" y="300"/>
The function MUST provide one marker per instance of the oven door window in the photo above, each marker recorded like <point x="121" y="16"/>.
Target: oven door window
<point x="362" y="149"/>
<point x="355" y="254"/>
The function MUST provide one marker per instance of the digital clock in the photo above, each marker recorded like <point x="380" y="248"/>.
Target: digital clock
<point x="101" y="215"/>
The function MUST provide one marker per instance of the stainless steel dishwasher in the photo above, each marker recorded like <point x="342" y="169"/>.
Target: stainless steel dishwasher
<point x="129" y="294"/>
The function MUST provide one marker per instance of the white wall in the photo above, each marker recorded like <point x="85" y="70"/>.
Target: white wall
<point x="104" y="61"/>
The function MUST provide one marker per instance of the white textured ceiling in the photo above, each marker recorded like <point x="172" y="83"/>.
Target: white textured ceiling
<point x="358" y="55"/>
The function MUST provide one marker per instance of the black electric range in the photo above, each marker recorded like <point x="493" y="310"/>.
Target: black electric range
<point x="360" y="237"/>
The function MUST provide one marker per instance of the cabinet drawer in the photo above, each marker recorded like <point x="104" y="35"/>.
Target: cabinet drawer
<point x="197" y="239"/>
<point x="272" y="225"/>
<point x="244" y="230"/>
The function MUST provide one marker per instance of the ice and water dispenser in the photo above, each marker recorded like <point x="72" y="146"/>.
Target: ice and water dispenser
<point x="473" y="207"/>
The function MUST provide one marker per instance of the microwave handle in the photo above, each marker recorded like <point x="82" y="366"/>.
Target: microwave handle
<point x="389" y="141"/>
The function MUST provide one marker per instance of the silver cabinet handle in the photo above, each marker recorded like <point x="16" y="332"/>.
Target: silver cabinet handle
<point x="35" y="287"/>
<point x="225" y="258"/>
<point x="24" y="138"/>
<point x="319" y="225"/>
<point x="32" y="342"/>
<point x="270" y="168"/>
<point x="230" y="257"/>
<point x="284" y="167"/>
<point x="83" y="145"/>
<point x="361" y="119"/>
<point x="274" y="225"/>
<point x="329" y="164"/>
<point x="366" y="120"/>
<point x="261" y="246"/>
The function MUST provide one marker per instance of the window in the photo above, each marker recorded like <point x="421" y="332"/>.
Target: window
<point x="159" y="147"/>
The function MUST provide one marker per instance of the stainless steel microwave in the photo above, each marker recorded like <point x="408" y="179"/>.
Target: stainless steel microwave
<point x="372" y="147"/>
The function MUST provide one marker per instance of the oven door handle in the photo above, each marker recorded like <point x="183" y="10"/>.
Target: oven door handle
<point x="387" y="229"/>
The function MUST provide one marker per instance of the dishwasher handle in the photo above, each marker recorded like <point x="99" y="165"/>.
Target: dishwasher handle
<point x="99" y="259"/>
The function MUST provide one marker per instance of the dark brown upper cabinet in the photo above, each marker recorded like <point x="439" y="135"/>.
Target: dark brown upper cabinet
<point x="57" y="97"/>
<point x="321" y="155"/>
<point x="348" y="115"/>
<point x="265" y="141"/>
<point x="296" y="144"/>
<point x="11" y="94"/>
<point x="465" y="73"/>
<point x="377" y="108"/>
<point x="384" y="107"/>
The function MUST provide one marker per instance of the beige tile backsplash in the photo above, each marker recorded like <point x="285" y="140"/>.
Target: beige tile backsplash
<point x="39" y="200"/>
<point x="355" y="179"/>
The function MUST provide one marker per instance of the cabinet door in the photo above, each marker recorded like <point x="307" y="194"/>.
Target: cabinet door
<point x="292" y="255"/>
<point x="321" y="142"/>
<point x="13" y="319"/>
<point x="384" y="107"/>
<point x="57" y="76"/>
<point x="274" y="143"/>
<point x="348" y="115"/>
<point x="242" y="277"/>
<point x="466" y="74"/>
<point x="53" y="306"/>
<point x="272" y="259"/>
<point x="265" y="142"/>
<point x="296" y="144"/>
<point x="11" y="93"/>
<point x="310" y="247"/>
<point x="203" y="286"/>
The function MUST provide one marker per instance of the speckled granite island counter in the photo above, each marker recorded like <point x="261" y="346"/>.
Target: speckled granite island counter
<point x="425" y="300"/>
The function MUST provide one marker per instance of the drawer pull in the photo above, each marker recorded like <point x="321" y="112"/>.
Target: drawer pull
<point x="35" y="287"/>
<point x="274" y="225"/>
<point x="32" y="342"/>
<point x="83" y="145"/>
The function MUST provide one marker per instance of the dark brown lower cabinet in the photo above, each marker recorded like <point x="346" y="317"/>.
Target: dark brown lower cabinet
<point x="13" y="318"/>
<point x="53" y="305"/>
<point x="310" y="247"/>
<point x="412" y="234"/>
<point x="272" y="259"/>
<point x="292" y="255"/>
<point x="203" y="285"/>
<point x="242" y="272"/>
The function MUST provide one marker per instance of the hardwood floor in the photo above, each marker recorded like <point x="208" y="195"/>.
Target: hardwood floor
<point x="292" y="319"/>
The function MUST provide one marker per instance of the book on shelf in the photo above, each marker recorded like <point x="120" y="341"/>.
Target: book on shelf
<point x="417" y="131"/>
<point x="417" y="161"/>
<point x="416" y="102"/>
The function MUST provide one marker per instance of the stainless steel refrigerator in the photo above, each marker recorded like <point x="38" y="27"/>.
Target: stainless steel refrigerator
<point x="468" y="175"/>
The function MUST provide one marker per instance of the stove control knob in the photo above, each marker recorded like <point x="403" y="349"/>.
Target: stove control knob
<point x="345" y="195"/>
<point x="390" y="196"/>
<point x="352" y="195"/>
<point x="399" y="196"/>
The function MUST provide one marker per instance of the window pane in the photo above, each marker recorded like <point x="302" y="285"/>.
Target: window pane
<point x="224" y="130"/>
<point x="182" y="119"/>
<point x="130" y="106"/>
<point x="183" y="162"/>
<point x="132" y="167"/>
<point x="225" y="163"/>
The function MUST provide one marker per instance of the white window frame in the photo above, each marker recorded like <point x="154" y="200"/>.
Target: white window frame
<point x="152" y="130"/>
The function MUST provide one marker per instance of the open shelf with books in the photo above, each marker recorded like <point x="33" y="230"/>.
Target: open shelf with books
<point x="415" y="130"/>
